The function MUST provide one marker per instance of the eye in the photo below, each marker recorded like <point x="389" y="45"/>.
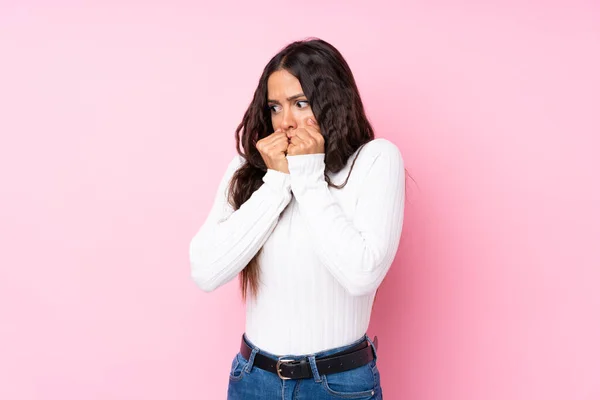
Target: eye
<point x="302" y="104"/>
<point x="273" y="108"/>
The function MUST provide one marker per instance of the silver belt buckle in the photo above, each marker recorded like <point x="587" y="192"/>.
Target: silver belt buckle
<point x="279" y="370"/>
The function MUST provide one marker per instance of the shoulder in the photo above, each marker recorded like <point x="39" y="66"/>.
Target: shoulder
<point x="382" y="149"/>
<point x="236" y="161"/>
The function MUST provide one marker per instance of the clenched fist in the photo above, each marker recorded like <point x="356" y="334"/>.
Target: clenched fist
<point x="273" y="150"/>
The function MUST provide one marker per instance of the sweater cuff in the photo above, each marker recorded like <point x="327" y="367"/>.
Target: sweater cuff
<point x="306" y="170"/>
<point x="277" y="180"/>
<point x="306" y="164"/>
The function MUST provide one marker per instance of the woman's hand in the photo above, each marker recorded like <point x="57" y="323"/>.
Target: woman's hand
<point x="306" y="140"/>
<point x="273" y="150"/>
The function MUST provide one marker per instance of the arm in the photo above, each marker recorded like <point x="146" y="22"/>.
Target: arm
<point x="229" y="239"/>
<point x="357" y="252"/>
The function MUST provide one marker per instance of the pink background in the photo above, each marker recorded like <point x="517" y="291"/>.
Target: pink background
<point x="117" y="122"/>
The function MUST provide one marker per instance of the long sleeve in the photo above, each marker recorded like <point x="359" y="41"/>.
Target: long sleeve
<point x="229" y="239"/>
<point x="357" y="252"/>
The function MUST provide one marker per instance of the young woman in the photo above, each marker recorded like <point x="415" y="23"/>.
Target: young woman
<point x="309" y="215"/>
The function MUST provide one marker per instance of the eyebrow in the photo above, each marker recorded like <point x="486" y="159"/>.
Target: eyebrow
<point x="294" y="97"/>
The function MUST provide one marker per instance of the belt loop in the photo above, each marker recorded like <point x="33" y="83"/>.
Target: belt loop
<point x="248" y="367"/>
<point x="372" y="346"/>
<point x="313" y="367"/>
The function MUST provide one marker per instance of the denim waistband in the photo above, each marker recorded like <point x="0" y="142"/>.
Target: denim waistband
<point x="322" y="353"/>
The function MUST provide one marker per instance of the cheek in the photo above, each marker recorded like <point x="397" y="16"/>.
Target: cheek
<point x="302" y="117"/>
<point x="275" y="118"/>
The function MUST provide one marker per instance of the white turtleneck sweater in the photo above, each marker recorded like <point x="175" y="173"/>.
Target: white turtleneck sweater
<point x="325" y="250"/>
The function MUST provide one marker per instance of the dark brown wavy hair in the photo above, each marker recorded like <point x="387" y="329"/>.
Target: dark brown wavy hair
<point x="333" y="96"/>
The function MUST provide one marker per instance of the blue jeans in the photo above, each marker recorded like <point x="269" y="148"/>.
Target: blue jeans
<point x="251" y="383"/>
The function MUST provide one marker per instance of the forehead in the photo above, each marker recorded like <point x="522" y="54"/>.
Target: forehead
<point x="283" y="84"/>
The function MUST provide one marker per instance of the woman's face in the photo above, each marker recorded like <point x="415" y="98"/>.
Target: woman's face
<point x="287" y="102"/>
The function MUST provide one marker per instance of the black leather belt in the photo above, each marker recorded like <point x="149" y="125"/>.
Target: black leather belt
<point x="354" y="357"/>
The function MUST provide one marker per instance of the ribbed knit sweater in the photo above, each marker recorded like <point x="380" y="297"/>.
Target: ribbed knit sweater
<point x="325" y="250"/>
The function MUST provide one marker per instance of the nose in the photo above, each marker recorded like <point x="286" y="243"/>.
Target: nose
<point x="288" y="121"/>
